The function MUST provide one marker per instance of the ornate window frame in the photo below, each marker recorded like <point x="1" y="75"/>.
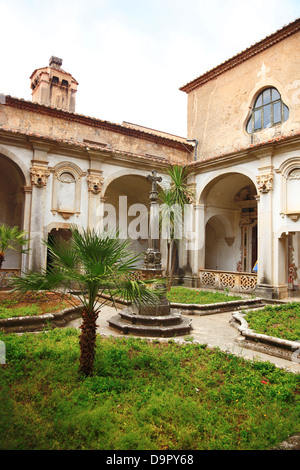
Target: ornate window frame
<point x="286" y="169"/>
<point x="77" y="174"/>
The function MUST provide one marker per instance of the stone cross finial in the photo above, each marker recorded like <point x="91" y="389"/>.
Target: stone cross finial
<point x="155" y="179"/>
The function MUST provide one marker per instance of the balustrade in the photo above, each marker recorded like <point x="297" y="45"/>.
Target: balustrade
<point x="233" y="281"/>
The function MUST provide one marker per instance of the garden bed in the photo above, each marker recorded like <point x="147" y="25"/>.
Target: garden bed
<point x="199" y="302"/>
<point x="271" y="332"/>
<point x="36" y="311"/>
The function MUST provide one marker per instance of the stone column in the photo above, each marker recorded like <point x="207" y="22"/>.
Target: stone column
<point x="194" y="244"/>
<point x="95" y="182"/>
<point x="281" y="265"/>
<point x="265" y="281"/>
<point x="152" y="258"/>
<point x="27" y="190"/>
<point x="198" y="253"/>
<point x="38" y="252"/>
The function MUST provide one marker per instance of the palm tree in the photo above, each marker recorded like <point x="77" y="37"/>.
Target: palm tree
<point x="92" y="264"/>
<point x="12" y="238"/>
<point x="173" y="201"/>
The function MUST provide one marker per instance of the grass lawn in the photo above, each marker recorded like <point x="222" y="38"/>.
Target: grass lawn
<point x="143" y="395"/>
<point x="35" y="303"/>
<point x="282" y="321"/>
<point x="184" y="295"/>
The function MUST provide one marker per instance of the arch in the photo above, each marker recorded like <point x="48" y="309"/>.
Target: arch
<point x="70" y="167"/>
<point x="229" y="202"/>
<point x="18" y="164"/>
<point x="216" y="249"/>
<point x="221" y="224"/>
<point x="289" y="165"/>
<point x="125" y="172"/>
<point x="57" y="225"/>
<point x="211" y="180"/>
<point x="12" y="201"/>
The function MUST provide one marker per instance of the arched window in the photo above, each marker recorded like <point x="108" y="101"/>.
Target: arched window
<point x="268" y="110"/>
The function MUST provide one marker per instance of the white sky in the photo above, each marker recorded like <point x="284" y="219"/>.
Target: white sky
<point x="130" y="57"/>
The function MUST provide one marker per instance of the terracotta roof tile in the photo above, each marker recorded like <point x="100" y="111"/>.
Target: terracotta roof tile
<point x="173" y="142"/>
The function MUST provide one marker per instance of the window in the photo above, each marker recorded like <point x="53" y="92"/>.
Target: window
<point x="268" y="110"/>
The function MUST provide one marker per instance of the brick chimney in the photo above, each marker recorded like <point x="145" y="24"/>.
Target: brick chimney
<point x="52" y="86"/>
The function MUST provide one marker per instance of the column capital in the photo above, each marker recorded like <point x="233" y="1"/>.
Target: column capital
<point x="265" y="182"/>
<point x="39" y="176"/>
<point x="95" y="181"/>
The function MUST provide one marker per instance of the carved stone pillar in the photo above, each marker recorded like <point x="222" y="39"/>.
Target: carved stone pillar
<point x="27" y="190"/>
<point x="265" y="276"/>
<point x="95" y="182"/>
<point x="39" y="176"/>
<point x="197" y="242"/>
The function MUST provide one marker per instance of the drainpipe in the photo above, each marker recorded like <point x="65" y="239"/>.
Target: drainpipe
<point x="196" y="141"/>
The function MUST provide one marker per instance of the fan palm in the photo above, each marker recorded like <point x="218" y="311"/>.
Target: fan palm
<point x="91" y="264"/>
<point x="12" y="238"/>
<point x="173" y="201"/>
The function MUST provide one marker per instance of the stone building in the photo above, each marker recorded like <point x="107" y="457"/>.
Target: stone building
<point x="242" y="150"/>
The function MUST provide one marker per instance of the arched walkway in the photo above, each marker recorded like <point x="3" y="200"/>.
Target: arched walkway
<point x="126" y="209"/>
<point x="229" y="224"/>
<point x="12" y="200"/>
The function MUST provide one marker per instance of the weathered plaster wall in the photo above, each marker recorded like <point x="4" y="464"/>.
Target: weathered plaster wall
<point x="69" y="129"/>
<point x="219" y="109"/>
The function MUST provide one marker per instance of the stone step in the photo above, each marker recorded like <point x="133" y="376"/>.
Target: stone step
<point x="163" y="320"/>
<point x="220" y="307"/>
<point x="126" y="327"/>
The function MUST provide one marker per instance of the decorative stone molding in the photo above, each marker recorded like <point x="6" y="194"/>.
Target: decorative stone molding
<point x="95" y="181"/>
<point x="229" y="240"/>
<point x="290" y="176"/>
<point x="66" y="190"/>
<point x="27" y="189"/>
<point x="265" y="182"/>
<point x="39" y="176"/>
<point x="233" y="281"/>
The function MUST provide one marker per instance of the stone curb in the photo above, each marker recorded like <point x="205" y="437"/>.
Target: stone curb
<point x="268" y="344"/>
<point x="204" y="309"/>
<point x="39" y="322"/>
<point x="217" y="307"/>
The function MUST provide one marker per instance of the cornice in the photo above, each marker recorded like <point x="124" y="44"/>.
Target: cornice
<point x="253" y="152"/>
<point x="79" y="150"/>
<point x="98" y="123"/>
<point x="85" y="150"/>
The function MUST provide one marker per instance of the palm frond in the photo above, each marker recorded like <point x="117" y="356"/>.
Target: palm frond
<point x="38" y="280"/>
<point x="13" y="238"/>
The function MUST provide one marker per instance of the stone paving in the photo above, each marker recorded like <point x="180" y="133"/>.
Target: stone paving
<point x="213" y="330"/>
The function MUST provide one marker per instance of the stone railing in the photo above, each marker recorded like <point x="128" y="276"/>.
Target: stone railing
<point x="233" y="281"/>
<point x="6" y="274"/>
